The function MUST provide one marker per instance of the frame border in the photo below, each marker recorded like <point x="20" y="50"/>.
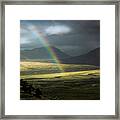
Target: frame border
<point x="69" y="2"/>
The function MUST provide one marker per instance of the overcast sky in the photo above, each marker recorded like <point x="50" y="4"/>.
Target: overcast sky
<point x="74" y="37"/>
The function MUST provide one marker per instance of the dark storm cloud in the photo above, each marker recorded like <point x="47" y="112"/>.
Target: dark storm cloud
<point x="72" y="36"/>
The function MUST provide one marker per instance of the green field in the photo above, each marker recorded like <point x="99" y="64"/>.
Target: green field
<point x="45" y="81"/>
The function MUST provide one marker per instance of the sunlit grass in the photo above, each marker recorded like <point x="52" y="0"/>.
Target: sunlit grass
<point x="77" y="82"/>
<point x="66" y="75"/>
<point x="27" y="68"/>
<point x="35" y="65"/>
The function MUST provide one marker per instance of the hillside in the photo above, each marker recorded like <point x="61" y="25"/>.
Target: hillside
<point x="42" y="53"/>
<point x="43" y="81"/>
<point x="90" y="58"/>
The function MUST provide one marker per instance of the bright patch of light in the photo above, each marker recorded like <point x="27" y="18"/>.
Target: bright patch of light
<point x="57" y="29"/>
<point x="26" y="36"/>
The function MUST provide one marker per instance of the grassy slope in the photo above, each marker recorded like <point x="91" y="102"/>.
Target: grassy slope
<point x="77" y="82"/>
<point x="65" y="76"/>
<point x="28" y="68"/>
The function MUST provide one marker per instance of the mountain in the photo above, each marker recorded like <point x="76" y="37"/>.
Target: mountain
<point x="42" y="53"/>
<point x="91" y="58"/>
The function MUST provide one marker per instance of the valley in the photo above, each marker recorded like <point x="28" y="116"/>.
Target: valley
<point x="44" y="81"/>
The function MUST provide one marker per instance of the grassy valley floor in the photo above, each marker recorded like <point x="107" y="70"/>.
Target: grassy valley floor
<point x="45" y="81"/>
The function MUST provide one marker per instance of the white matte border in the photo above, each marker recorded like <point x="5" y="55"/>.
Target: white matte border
<point x="104" y="13"/>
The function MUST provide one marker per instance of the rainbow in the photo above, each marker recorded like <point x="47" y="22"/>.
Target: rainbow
<point x="43" y="39"/>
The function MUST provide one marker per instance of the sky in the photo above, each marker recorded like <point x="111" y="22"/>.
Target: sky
<point x="74" y="37"/>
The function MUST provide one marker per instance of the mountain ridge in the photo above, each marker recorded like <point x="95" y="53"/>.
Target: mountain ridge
<point x="42" y="53"/>
<point x="92" y="58"/>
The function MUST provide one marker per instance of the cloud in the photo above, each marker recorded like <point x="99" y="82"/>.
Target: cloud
<point x="26" y="36"/>
<point x="73" y="37"/>
<point x="57" y="29"/>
